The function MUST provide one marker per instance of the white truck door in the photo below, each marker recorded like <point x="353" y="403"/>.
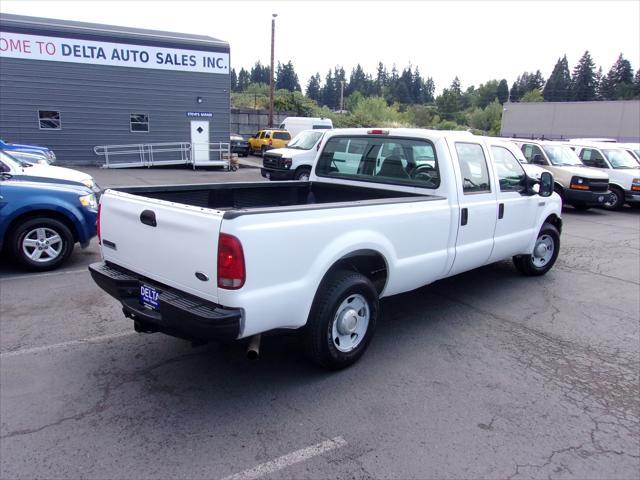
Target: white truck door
<point x="478" y="207"/>
<point x="516" y="210"/>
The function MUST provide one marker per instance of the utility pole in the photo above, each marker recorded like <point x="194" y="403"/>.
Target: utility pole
<point x="273" y="34"/>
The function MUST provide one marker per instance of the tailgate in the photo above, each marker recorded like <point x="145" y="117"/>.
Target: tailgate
<point x="183" y="241"/>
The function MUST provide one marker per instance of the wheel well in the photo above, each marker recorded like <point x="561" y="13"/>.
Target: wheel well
<point x="555" y="221"/>
<point x="369" y="263"/>
<point x="43" y="213"/>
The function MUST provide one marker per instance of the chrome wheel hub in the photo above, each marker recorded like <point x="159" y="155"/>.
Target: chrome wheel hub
<point x="350" y="323"/>
<point x="543" y="251"/>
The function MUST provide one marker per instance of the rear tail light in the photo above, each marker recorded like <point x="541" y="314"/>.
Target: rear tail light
<point x="270" y="143"/>
<point x="231" y="271"/>
<point x="98" y="223"/>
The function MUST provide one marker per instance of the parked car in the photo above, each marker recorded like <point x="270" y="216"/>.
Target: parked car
<point x="33" y="157"/>
<point x="239" y="145"/>
<point x="295" y="160"/>
<point x="16" y="147"/>
<point x="265" y="140"/>
<point x="317" y="256"/>
<point x="40" y="222"/>
<point x="295" y="125"/>
<point x="578" y="185"/>
<point x="21" y="170"/>
<point x="622" y="168"/>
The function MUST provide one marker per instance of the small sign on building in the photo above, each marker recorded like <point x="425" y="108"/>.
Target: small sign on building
<point x="200" y="114"/>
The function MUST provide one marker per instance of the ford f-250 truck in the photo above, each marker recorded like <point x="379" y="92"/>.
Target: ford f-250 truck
<point x="229" y="261"/>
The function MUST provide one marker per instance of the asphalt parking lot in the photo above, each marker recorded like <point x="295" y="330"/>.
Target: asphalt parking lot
<point x="484" y="375"/>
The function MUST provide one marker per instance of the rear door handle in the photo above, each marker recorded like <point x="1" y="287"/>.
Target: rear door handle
<point x="148" y="217"/>
<point x="500" y="211"/>
<point x="464" y="216"/>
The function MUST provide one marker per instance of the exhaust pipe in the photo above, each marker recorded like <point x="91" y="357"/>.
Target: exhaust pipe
<point x="253" y="350"/>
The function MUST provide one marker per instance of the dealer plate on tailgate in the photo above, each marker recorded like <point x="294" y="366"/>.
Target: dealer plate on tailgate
<point x="149" y="297"/>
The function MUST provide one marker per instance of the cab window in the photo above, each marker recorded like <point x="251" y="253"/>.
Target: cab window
<point x="511" y="176"/>
<point x="533" y="154"/>
<point x="262" y="134"/>
<point x="592" y="158"/>
<point x="380" y="160"/>
<point x="473" y="167"/>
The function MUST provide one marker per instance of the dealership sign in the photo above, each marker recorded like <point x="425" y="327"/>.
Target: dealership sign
<point x="57" y="49"/>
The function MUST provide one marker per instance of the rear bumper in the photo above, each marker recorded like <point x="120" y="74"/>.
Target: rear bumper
<point x="585" y="197"/>
<point x="179" y="314"/>
<point x="273" y="174"/>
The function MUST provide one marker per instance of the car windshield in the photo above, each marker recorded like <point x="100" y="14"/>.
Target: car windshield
<point x="562" y="156"/>
<point x="305" y="140"/>
<point x="620" y="159"/>
<point x="11" y="160"/>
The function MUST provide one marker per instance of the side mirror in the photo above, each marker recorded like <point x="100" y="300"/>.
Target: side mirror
<point x="546" y="184"/>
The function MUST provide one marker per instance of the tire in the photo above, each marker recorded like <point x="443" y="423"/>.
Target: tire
<point x="27" y="238"/>
<point x="303" y="174"/>
<point x="328" y="340"/>
<point x="616" y="199"/>
<point x="540" y="262"/>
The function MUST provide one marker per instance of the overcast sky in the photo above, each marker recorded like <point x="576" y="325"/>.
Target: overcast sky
<point x="477" y="41"/>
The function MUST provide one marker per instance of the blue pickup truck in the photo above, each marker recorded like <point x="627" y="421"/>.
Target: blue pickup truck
<point x="47" y="153"/>
<point x="41" y="222"/>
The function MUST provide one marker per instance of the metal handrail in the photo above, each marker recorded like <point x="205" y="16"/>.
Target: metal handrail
<point x="144" y="154"/>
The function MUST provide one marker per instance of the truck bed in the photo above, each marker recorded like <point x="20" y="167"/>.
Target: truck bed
<point x="237" y="199"/>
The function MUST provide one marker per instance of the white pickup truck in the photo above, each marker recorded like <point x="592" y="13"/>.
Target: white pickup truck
<point x="230" y="261"/>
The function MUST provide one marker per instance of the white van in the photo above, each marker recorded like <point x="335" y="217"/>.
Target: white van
<point x="294" y="125"/>
<point x="294" y="161"/>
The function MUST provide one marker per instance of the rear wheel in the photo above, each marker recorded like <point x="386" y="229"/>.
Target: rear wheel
<point x="615" y="199"/>
<point x="41" y="243"/>
<point x="342" y="320"/>
<point x="545" y="253"/>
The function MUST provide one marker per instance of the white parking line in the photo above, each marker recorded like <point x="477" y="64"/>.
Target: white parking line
<point x="70" y="343"/>
<point x="288" y="460"/>
<point x="38" y="275"/>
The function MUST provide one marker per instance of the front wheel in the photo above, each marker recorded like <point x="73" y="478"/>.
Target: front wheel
<point x="545" y="253"/>
<point x="41" y="243"/>
<point x="303" y="174"/>
<point x="615" y="199"/>
<point x="342" y="320"/>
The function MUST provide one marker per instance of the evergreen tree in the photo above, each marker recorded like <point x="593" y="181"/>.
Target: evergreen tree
<point x="404" y="87"/>
<point x="455" y="86"/>
<point x="514" y="93"/>
<point x="381" y="78"/>
<point x="618" y="82"/>
<point x="286" y="77"/>
<point x="558" y="86"/>
<point x="243" y="80"/>
<point x="503" y="91"/>
<point x="313" y="88"/>
<point x="260" y="73"/>
<point x="600" y="82"/>
<point x="234" y="80"/>
<point x="329" y="91"/>
<point x="583" y="87"/>
<point x="636" y="84"/>
<point x="417" y="87"/>
<point x="535" y="81"/>
<point x="357" y="82"/>
<point x="429" y="90"/>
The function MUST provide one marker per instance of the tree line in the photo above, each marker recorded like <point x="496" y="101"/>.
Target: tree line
<point x="409" y="87"/>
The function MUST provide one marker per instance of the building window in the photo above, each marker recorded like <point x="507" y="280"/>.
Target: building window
<point x="49" y="120"/>
<point x="139" y="122"/>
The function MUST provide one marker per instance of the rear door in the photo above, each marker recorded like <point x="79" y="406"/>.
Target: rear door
<point x="165" y="241"/>
<point x="478" y="206"/>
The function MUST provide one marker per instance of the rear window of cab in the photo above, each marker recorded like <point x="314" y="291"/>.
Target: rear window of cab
<point x="399" y="161"/>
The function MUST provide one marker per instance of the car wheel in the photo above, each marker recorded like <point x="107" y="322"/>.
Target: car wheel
<point x="545" y="253"/>
<point x="615" y="199"/>
<point x="41" y="243"/>
<point x="342" y="320"/>
<point x="303" y="174"/>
